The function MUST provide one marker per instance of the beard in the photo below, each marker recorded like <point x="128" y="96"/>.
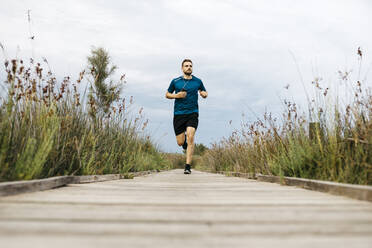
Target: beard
<point x="188" y="73"/>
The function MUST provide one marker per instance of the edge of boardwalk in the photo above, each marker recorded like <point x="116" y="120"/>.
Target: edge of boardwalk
<point x="18" y="187"/>
<point x="359" y="192"/>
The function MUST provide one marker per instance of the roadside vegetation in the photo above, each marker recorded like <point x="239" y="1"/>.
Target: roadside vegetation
<point x="331" y="140"/>
<point x="178" y="160"/>
<point x="51" y="127"/>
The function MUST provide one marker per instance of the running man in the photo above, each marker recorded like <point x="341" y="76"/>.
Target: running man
<point x="186" y="110"/>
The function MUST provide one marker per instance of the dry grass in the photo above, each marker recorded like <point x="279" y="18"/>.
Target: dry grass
<point x="177" y="160"/>
<point x="338" y="148"/>
<point x="48" y="129"/>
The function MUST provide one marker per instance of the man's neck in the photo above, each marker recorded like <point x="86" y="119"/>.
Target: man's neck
<point x="187" y="76"/>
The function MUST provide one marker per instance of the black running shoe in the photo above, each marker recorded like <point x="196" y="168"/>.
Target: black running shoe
<point x="187" y="169"/>
<point x="184" y="146"/>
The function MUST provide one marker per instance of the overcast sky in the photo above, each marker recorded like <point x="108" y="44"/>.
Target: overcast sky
<point x="242" y="50"/>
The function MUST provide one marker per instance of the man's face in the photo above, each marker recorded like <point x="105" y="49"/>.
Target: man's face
<point x="187" y="68"/>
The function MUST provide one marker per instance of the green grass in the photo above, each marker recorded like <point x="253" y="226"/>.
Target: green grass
<point x="47" y="130"/>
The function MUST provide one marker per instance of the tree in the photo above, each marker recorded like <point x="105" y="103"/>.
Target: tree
<point x="105" y="93"/>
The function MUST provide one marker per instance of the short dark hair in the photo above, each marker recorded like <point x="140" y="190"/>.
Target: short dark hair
<point x="186" y="60"/>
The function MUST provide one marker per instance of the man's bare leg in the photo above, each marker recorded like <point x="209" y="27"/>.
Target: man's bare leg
<point x="180" y="139"/>
<point x="190" y="132"/>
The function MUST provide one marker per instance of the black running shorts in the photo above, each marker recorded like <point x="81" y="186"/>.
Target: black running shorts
<point x="181" y="122"/>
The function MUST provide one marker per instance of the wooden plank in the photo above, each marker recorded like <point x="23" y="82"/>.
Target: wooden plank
<point x="236" y="174"/>
<point x="18" y="187"/>
<point x="360" y="192"/>
<point x="11" y="188"/>
<point x="170" y="209"/>
<point x="96" y="178"/>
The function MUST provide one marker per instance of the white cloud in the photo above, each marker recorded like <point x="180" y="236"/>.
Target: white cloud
<point x="241" y="49"/>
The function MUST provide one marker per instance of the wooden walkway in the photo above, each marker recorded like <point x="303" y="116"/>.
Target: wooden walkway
<point x="170" y="209"/>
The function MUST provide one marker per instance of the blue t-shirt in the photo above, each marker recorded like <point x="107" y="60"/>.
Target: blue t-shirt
<point x="189" y="104"/>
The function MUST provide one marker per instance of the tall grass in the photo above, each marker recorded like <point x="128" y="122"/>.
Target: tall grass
<point x="48" y="129"/>
<point x="331" y="141"/>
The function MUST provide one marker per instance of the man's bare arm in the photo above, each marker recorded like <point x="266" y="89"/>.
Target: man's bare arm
<point x="181" y="94"/>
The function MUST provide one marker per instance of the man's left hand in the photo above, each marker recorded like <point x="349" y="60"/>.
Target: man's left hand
<point x="203" y="94"/>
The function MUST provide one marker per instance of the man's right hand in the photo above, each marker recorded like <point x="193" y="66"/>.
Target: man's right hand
<point x="181" y="94"/>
